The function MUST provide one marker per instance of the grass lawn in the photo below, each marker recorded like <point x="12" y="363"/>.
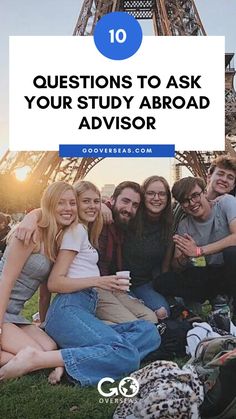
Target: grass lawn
<point x="31" y="397"/>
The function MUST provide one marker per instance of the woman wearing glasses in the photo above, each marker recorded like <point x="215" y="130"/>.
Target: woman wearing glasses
<point x="146" y="250"/>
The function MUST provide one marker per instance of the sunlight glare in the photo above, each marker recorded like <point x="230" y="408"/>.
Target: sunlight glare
<point x="22" y="172"/>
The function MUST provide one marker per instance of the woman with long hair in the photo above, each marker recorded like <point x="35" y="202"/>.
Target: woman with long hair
<point x="147" y="250"/>
<point x="91" y="349"/>
<point x="25" y="268"/>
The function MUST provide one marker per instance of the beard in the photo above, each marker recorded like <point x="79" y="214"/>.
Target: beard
<point x="122" y="223"/>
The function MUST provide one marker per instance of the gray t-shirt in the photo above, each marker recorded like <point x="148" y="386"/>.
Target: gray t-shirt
<point x="215" y="228"/>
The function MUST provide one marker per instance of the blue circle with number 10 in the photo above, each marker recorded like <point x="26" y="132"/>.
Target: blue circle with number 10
<point x="118" y="35"/>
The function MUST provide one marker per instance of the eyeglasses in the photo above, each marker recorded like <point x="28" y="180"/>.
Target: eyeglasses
<point x="195" y="197"/>
<point x="152" y="194"/>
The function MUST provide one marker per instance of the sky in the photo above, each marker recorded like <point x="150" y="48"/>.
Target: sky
<point x="58" y="17"/>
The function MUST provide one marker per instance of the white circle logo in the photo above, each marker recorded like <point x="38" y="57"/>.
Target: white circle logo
<point x="128" y="387"/>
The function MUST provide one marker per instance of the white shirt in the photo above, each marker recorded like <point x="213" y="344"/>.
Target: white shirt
<point x="85" y="262"/>
<point x="202" y="331"/>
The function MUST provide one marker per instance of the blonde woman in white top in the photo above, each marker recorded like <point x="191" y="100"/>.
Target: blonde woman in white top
<point x="91" y="349"/>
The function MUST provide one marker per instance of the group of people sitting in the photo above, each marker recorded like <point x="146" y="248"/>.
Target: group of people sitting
<point x="81" y="250"/>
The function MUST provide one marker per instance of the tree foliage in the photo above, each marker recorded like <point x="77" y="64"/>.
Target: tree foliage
<point x="18" y="196"/>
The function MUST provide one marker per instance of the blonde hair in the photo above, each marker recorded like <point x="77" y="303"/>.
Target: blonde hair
<point x="95" y="228"/>
<point x="48" y="227"/>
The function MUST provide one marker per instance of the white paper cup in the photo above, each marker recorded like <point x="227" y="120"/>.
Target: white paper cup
<point x="123" y="274"/>
<point x="123" y="280"/>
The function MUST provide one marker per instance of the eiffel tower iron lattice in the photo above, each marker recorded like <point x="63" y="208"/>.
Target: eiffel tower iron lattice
<point x="170" y="18"/>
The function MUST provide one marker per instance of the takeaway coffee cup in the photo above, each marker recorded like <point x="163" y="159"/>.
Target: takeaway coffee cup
<point x="123" y="280"/>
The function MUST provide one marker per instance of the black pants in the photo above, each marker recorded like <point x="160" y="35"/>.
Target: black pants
<point x="200" y="284"/>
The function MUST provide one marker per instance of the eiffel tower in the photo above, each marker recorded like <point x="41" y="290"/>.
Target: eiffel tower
<point x="169" y="18"/>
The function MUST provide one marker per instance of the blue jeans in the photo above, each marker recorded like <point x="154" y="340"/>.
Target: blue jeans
<point x="91" y="349"/>
<point x="150" y="297"/>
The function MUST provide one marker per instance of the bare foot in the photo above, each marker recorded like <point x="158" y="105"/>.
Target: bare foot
<point x="55" y="376"/>
<point x="21" y="364"/>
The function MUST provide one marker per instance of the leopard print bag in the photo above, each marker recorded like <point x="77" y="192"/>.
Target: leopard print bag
<point x="165" y="391"/>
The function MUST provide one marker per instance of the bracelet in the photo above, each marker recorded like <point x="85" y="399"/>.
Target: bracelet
<point x="199" y="252"/>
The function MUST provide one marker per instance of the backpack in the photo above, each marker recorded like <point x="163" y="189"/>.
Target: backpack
<point x="173" y="340"/>
<point x="215" y="363"/>
<point x="173" y="331"/>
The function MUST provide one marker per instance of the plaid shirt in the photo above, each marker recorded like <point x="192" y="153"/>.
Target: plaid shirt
<point x="110" y="249"/>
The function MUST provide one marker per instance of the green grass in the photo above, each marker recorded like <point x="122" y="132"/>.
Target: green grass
<point x="31" y="397"/>
<point x="31" y="307"/>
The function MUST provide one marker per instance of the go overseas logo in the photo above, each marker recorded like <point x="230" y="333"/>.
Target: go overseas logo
<point x="127" y="387"/>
